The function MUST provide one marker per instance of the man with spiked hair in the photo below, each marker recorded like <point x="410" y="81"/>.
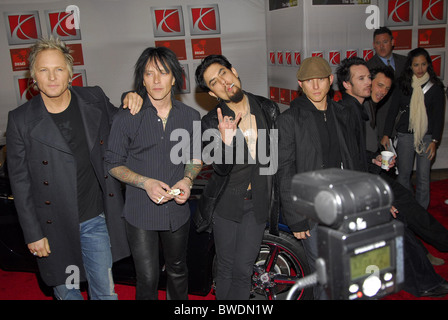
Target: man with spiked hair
<point x="68" y="206"/>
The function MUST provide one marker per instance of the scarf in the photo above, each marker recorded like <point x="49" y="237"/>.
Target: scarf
<point x="418" y="119"/>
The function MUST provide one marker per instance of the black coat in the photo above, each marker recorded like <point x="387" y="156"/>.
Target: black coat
<point x="43" y="179"/>
<point x="220" y="177"/>
<point x="400" y="62"/>
<point x="300" y="150"/>
<point x="384" y="106"/>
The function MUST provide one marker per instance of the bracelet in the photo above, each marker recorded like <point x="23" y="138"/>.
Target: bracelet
<point x="435" y="141"/>
<point x="189" y="178"/>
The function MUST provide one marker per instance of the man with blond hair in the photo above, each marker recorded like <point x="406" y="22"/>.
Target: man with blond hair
<point x="68" y="206"/>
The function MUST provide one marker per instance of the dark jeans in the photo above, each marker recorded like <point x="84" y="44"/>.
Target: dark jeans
<point x="237" y="247"/>
<point x="419" y="273"/>
<point x="144" y="246"/>
<point x="417" y="218"/>
<point x="311" y="247"/>
<point x="405" y="163"/>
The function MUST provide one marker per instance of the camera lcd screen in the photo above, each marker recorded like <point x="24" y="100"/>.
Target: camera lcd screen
<point x="361" y="264"/>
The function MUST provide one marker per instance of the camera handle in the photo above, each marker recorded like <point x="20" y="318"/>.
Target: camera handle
<point x="318" y="277"/>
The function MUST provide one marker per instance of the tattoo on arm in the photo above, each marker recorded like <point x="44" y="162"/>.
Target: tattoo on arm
<point x="124" y="174"/>
<point x="192" y="169"/>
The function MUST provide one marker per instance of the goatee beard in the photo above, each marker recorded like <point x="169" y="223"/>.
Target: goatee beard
<point x="237" y="97"/>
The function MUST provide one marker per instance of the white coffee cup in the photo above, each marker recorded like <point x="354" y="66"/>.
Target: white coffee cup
<point x="386" y="157"/>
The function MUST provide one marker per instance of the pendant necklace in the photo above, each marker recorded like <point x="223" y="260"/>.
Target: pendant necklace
<point x="165" y="119"/>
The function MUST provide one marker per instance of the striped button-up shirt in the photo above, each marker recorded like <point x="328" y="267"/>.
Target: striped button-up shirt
<point x="141" y="144"/>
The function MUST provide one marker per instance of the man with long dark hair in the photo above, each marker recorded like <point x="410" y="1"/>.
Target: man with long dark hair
<point x="158" y="186"/>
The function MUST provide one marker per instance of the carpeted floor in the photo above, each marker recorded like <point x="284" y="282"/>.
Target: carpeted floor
<point x="25" y="286"/>
<point x="439" y="209"/>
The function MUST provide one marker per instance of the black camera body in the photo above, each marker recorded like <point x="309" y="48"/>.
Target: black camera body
<point x="359" y="243"/>
<point x="363" y="265"/>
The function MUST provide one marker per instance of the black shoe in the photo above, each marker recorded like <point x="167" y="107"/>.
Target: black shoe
<point x="437" y="292"/>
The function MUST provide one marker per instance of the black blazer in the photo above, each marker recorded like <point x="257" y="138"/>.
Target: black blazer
<point x="300" y="150"/>
<point x="400" y="62"/>
<point x="384" y="106"/>
<point x="219" y="179"/>
<point x="43" y="179"/>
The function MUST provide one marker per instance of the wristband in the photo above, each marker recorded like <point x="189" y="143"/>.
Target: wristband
<point x="191" y="180"/>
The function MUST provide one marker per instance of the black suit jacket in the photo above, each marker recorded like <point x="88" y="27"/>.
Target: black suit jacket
<point x="220" y="177"/>
<point x="383" y="108"/>
<point x="300" y="150"/>
<point x="400" y="62"/>
<point x="42" y="172"/>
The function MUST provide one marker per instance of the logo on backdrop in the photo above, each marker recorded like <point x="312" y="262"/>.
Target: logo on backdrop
<point x="24" y="89"/>
<point x="280" y="58"/>
<point x="23" y="27"/>
<point x="272" y="57"/>
<point x="203" y="47"/>
<point x="297" y="58"/>
<point x="177" y="46"/>
<point x="432" y="12"/>
<point x="168" y="21"/>
<point x="367" y="54"/>
<point x="351" y="53"/>
<point x="79" y="78"/>
<point x="204" y="19"/>
<point x="438" y="63"/>
<point x="403" y="39"/>
<point x="19" y="59"/>
<point x="288" y="58"/>
<point x="274" y="94"/>
<point x="334" y="57"/>
<point x="400" y="13"/>
<point x="432" y="37"/>
<point x="60" y="24"/>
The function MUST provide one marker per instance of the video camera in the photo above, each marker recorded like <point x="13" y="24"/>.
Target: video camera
<point x="360" y="247"/>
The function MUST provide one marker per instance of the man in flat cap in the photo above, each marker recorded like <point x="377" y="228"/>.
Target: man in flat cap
<point x="314" y="135"/>
<point x="310" y="138"/>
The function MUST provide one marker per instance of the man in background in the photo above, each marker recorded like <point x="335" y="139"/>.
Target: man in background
<point x="354" y="79"/>
<point x="383" y="44"/>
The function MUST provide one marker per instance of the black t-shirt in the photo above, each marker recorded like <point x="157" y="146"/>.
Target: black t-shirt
<point x="71" y="127"/>
<point x="331" y="153"/>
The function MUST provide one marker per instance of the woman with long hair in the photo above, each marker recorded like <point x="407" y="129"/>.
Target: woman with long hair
<point x="417" y="114"/>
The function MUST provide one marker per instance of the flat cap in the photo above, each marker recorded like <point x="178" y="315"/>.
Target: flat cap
<point x="313" y="68"/>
